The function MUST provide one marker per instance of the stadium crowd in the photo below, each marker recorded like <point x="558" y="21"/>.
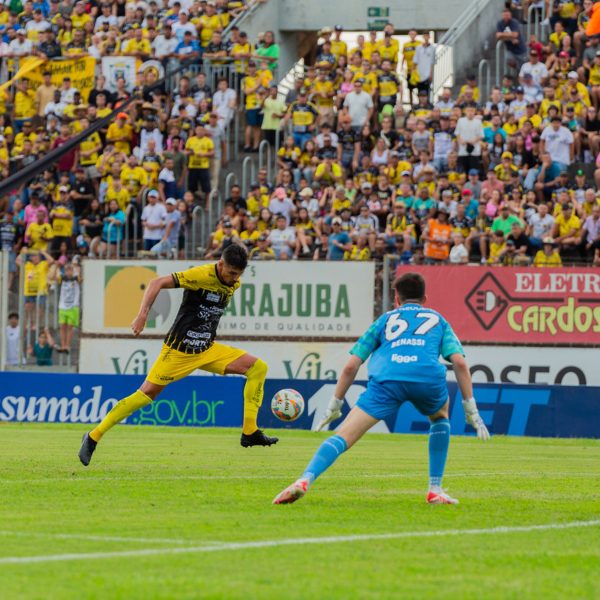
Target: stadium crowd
<point x="368" y="163"/>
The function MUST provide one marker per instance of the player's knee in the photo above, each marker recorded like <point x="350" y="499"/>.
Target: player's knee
<point x="258" y="370"/>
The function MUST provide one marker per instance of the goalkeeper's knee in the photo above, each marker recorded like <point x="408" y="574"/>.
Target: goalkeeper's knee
<point x="258" y="371"/>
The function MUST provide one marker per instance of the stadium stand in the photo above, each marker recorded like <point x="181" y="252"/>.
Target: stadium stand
<point x="369" y="158"/>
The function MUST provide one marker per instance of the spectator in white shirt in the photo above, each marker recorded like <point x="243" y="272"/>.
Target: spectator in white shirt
<point x="535" y="68"/>
<point x="224" y="102"/>
<point x="154" y="219"/>
<point x="283" y="239"/>
<point x="557" y="141"/>
<point x="423" y="61"/>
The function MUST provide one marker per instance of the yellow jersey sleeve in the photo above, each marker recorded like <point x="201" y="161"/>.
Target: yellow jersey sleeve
<point x="194" y="278"/>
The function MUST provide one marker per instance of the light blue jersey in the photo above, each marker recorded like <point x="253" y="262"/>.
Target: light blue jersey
<point x="405" y="345"/>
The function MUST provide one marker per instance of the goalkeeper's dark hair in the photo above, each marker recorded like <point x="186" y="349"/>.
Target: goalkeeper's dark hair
<point x="410" y="286"/>
<point x="235" y="256"/>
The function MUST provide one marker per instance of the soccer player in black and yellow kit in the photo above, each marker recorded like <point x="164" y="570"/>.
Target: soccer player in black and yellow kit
<point x="190" y="345"/>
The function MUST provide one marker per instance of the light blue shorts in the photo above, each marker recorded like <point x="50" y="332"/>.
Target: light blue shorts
<point x="382" y="399"/>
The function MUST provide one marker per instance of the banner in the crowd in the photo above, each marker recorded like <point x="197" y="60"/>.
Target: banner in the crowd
<point x="27" y="66"/>
<point x="298" y="360"/>
<point x="324" y="360"/>
<point x="114" y="67"/>
<point x="79" y="70"/>
<point x="545" y="411"/>
<point x="279" y="299"/>
<point x="519" y="305"/>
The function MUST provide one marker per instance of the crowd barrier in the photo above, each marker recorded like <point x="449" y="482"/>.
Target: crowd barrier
<point x="541" y="411"/>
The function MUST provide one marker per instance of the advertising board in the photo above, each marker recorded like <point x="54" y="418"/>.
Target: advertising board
<point x="275" y="299"/>
<point x="517" y="305"/>
<point x="544" y="411"/>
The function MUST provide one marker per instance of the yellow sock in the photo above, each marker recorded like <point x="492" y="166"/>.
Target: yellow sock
<point x="123" y="408"/>
<point x="253" y="394"/>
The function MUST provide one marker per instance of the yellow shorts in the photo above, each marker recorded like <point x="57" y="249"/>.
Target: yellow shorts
<point x="172" y="365"/>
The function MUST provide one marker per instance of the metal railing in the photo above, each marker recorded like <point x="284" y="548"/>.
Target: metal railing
<point x="457" y="49"/>
<point x="198" y="226"/>
<point x="265" y="158"/>
<point x="230" y="181"/>
<point x="248" y="174"/>
<point x="500" y="61"/>
<point x="131" y="222"/>
<point x="536" y="16"/>
<point x="483" y="70"/>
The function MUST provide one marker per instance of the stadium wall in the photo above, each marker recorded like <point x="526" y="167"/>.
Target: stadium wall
<point x="543" y="411"/>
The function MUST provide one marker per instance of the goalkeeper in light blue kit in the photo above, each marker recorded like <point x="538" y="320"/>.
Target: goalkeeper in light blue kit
<point x="404" y="345"/>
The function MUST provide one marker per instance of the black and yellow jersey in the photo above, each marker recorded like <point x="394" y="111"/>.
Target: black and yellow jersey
<point x="303" y="116"/>
<point x="204" y="301"/>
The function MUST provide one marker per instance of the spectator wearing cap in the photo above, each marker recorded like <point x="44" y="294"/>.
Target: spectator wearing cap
<point x="338" y="46"/>
<point x="134" y="179"/>
<point x="120" y="134"/>
<point x="304" y="116"/>
<point x="283" y="239"/>
<point x="567" y="229"/>
<point x="534" y="67"/>
<point x="339" y="241"/>
<point x="154" y="220"/>
<point x="167" y="245"/>
<point x="548" y="255"/>
<point x="188" y="48"/>
<point x="19" y="47"/>
<point x="281" y="204"/>
<point x="225" y="235"/>
<point x="262" y="251"/>
<point x="558" y="142"/>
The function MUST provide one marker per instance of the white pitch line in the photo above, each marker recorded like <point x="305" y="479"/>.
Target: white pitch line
<point x="12" y="560"/>
<point x="403" y="475"/>
<point x="103" y="538"/>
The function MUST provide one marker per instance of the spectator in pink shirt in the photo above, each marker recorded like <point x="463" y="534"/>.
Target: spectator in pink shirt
<point x="32" y="208"/>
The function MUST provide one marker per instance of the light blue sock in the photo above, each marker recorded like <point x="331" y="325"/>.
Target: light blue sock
<point x="324" y="457"/>
<point x="439" y="440"/>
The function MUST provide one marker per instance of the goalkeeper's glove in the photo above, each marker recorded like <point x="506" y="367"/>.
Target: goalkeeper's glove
<point x="473" y="418"/>
<point x="333" y="412"/>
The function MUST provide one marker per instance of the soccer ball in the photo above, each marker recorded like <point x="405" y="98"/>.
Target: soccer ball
<point x="287" y="404"/>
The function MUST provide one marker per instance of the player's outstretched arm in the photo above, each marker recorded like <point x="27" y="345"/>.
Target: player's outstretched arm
<point x="160" y="283"/>
<point x="465" y="385"/>
<point x="347" y="377"/>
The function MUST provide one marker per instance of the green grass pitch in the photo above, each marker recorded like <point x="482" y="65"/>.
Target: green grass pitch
<point x="160" y="511"/>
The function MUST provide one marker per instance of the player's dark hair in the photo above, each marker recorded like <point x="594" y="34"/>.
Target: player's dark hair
<point x="13" y="315"/>
<point x="235" y="256"/>
<point x="410" y="286"/>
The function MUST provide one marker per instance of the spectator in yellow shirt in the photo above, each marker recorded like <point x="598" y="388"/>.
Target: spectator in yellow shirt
<point x="38" y="233"/>
<point x="24" y="107"/>
<point x="548" y="256"/>
<point x="567" y="228"/>
<point x="120" y="134"/>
